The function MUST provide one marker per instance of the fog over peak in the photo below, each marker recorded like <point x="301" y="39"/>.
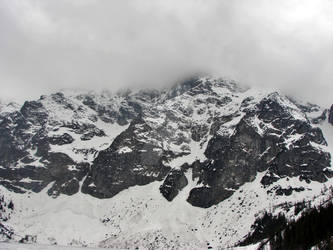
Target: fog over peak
<point x="46" y="45"/>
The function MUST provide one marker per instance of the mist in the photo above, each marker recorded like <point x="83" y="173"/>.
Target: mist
<point x="47" y="45"/>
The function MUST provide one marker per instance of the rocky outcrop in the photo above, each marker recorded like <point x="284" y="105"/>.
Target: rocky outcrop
<point x="330" y="116"/>
<point x="207" y="196"/>
<point x="61" y="139"/>
<point x="173" y="183"/>
<point x="57" y="168"/>
<point x="128" y="109"/>
<point x="34" y="112"/>
<point x="182" y="88"/>
<point x="6" y="210"/>
<point x="130" y="160"/>
<point x="26" y="159"/>
<point x="269" y="138"/>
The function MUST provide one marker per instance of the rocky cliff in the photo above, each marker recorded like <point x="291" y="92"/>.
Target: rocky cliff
<point x="330" y="117"/>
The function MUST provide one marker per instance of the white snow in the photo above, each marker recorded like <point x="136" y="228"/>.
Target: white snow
<point x="18" y="246"/>
<point x="124" y="150"/>
<point x="292" y="139"/>
<point x="197" y="153"/>
<point x="77" y="150"/>
<point x="9" y="108"/>
<point x="28" y="180"/>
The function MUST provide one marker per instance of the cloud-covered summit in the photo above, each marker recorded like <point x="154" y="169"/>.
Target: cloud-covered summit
<point x="46" y="45"/>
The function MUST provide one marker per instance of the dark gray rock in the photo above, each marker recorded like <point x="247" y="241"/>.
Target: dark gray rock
<point x="61" y="139"/>
<point x="36" y="170"/>
<point x="6" y="209"/>
<point x="58" y="168"/>
<point x="128" y="110"/>
<point x="269" y="179"/>
<point x="173" y="183"/>
<point x="34" y="112"/>
<point x="183" y="87"/>
<point x="13" y="139"/>
<point x="89" y="135"/>
<point x="236" y="159"/>
<point x="84" y="128"/>
<point x="218" y="121"/>
<point x="330" y="115"/>
<point x="207" y="196"/>
<point x="129" y="161"/>
<point x="320" y="118"/>
<point x="286" y="191"/>
<point x="198" y="132"/>
<point x="62" y="100"/>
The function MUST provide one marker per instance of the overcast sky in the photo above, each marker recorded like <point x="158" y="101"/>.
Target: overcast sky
<point x="50" y="44"/>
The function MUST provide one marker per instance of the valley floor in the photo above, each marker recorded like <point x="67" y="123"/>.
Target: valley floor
<point x="17" y="246"/>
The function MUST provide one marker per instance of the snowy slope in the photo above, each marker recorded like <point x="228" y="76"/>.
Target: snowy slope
<point x="17" y="246"/>
<point x="141" y="217"/>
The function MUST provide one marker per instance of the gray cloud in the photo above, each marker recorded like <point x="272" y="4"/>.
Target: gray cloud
<point x="46" y="45"/>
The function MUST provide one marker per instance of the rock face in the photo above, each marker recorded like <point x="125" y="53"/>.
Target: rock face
<point x="330" y="117"/>
<point x="267" y="138"/>
<point x="26" y="157"/>
<point x="220" y="132"/>
<point x="130" y="160"/>
<point x="173" y="183"/>
<point x="6" y="210"/>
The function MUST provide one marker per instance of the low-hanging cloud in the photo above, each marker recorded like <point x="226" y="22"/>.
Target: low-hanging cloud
<point x="46" y="45"/>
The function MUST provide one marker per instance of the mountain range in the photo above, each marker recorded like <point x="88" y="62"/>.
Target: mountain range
<point x="194" y="166"/>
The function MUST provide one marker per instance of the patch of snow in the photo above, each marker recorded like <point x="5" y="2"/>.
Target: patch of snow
<point x="124" y="150"/>
<point x="327" y="130"/>
<point x="84" y="151"/>
<point x="292" y="139"/>
<point x="197" y="153"/>
<point x="28" y="180"/>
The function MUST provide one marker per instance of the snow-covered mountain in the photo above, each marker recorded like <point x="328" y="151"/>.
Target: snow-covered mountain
<point x="189" y="167"/>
